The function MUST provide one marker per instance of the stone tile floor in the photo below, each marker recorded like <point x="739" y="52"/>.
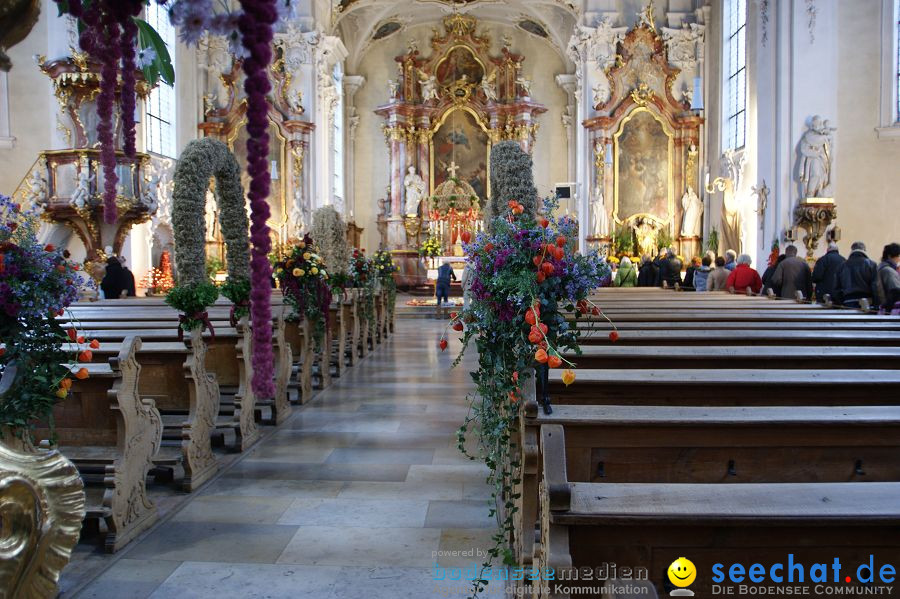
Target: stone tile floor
<point x="358" y="495"/>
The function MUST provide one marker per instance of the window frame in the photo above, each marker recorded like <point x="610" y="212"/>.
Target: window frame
<point x="889" y="118"/>
<point x="734" y="108"/>
<point x="160" y="130"/>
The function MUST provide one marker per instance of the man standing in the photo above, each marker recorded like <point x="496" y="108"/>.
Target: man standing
<point x="824" y="275"/>
<point x="792" y="275"/>
<point x="856" y="278"/>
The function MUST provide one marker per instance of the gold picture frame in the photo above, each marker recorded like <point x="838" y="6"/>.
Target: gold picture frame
<point x="487" y="158"/>
<point x="669" y="133"/>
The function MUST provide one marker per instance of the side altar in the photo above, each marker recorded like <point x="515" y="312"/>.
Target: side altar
<point x="444" y="113"/>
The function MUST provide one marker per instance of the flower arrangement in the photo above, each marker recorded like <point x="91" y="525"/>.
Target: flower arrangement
<point x="430" y="248"/>
<point x="37" y="283"/>
<point x="304" y="281"/>
<point x="623" y="240"/>
<point x="712" y="243"/>
<point x="511" y="180"/>
<point x="612" y="260"/>
<point x="384" y="267"/>
<point x="362" y="276"/>
<point x="525" y="274"/>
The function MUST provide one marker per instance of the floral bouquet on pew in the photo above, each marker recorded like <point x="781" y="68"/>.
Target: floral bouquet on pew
<point x="362" y="276"/>
<point x="37" y="284"/>
<point x="526" y="275"/>
<point x="304" y="281"/>
<point x="385" y="268"/>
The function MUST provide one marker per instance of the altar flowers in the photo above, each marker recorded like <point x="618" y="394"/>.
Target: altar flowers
<point x="525" y="273"/>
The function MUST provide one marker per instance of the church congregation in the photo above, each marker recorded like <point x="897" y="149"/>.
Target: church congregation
<point x="409" y="299"/>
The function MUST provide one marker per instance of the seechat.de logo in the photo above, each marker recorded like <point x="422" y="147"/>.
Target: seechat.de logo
<point x="681" y="574"/>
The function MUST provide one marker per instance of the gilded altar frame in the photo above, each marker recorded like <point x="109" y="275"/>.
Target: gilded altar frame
<point x="670" y="169"/>
<point x="487" y="157"/>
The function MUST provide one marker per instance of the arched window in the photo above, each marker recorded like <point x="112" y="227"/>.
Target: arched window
<point x="159" y="124"/>
<point x="734" y="72"/>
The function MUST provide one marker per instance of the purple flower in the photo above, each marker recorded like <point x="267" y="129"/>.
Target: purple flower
<point x="192" y="18"/>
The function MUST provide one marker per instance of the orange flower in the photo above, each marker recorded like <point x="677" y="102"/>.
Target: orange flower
<point x="545" y="223"/>
<point x="511" y="204"/>
<point x="66" y="383"/>
<point x="530" y="316"/>
<point x="489" y="247"/>
<point x="515" y="377"/>
<point x="62" y="393"/>
<point x="568" y="376"/>
<point x="85" y="356"/>
<point x="614" y="336"/>
<point x="554" y="361"/>
<point x="540" y="356"/>
<point x="81" y="374"/>
<point x="514" y="396"/>
<point x="537" y="260"/>
<point x="72" y="334"/>
<point x="561" y="241"/>
<point x="95" y="344"/>
<point x="49" y="247"/>
<point x="535" y="336"/>
<point x="2" y="351"/>
<point x="443" y="344"/>
<point x="540" y="277"/>
<point x="80" y="339"/>
<point x="547" y="268"/>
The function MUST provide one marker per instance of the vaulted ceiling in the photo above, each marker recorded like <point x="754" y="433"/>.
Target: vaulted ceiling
<point x="361" y="23"/>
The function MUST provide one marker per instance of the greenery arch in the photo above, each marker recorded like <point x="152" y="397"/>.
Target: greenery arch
<point x="201" y="160"/>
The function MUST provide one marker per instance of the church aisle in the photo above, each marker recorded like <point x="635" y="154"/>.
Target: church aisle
<point x="351" y="498"/>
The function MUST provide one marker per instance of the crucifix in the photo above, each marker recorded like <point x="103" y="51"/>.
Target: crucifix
<point x="452" y="169"/>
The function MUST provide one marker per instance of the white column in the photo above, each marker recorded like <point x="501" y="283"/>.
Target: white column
<point x="352" y="83"/>
<point x="7" y="141"/>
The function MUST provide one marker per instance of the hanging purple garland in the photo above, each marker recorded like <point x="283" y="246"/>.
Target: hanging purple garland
<point x="255" y="25"/>
<point x="108" y="36"/>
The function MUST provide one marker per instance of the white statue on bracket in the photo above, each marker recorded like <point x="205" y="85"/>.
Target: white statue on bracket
<point x="415" y="191"/>
<point x="429" y="87"/>
<point x="487" y="86"/>
<point x="83" y="189"/>
<point x="816" y="157"/>
<point x="692" y="218"/>
<point x="600" y="217"/>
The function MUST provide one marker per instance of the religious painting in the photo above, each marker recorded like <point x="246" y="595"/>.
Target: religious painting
<point x="386" y="29"/>
<point x="459" y="64"/>
<point x="643" y="168"/>
<point x="461" y="146"/>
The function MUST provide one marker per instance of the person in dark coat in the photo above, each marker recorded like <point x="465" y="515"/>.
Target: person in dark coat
<point x="888" y="285"/>
<point x="767" y="276"/>
<point x="647" y="273"/>
<point x="824" y="275"/>
<point x="857" y="278"/>
<point x="689" y="273"/>
<point x="793" y="275"/>
<point x="442" y="289"/>
<point x="118" y="281"/>
<point x="669" y="270"/>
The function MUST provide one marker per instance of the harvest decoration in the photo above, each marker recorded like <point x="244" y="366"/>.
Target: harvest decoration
<point x="37" y="283"/>
<point x="200" y="160"/>
<point x="304" y="281"/>
<point x="384" y="267"/>
<point x="525" y="274"/>
<point x="362" y="277"/>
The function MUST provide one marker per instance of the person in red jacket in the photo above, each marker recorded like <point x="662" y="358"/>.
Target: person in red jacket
<point x="743" y="276"/>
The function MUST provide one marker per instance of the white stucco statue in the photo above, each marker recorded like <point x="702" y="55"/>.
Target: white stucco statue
<point x="415" y="191"/>
<point x="82" y="192"/>
<point x="487" y="86"/>
<point x="151" y="192"/>
<point x="393" y="89"/>
<point x="599" y="215"/>
<point x="429" y="86"/>
<point x="816" y="159"/>
<point x="692" y="219"/>
<point x="525" y="83"/>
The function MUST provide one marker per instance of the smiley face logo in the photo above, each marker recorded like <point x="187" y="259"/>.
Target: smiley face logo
<point x="682" y="572"/>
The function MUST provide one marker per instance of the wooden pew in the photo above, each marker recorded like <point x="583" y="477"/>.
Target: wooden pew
<point x="174" y="376"/>
<point x="112" y="435"/>
<point x="629" y="444"/>
<point x="728" y="386"/>
<point x="227" y="357"/>
<point x="619" y="357"/>
<point x="650" y="524"/>
<point x="747" y="337"/>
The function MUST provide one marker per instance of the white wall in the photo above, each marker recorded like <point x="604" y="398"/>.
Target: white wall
<point x="868" y="188"/>
<point x="542" y="63"/>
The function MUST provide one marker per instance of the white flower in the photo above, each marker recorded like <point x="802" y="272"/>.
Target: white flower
<point x="145" y="57"/>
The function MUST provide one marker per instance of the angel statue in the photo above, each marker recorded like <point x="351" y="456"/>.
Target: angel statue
<point x="82" y="192"/>
<point x="429" y="87"/>
<point x="487" y="86"/>
<point x="525" y="83"/>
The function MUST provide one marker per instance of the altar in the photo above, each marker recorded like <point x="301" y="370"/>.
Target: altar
<point x="444" y="113"/>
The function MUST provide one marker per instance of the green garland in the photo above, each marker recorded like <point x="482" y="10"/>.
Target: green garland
<point x="200" y="160"/>
<point x="329" y="234"/>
